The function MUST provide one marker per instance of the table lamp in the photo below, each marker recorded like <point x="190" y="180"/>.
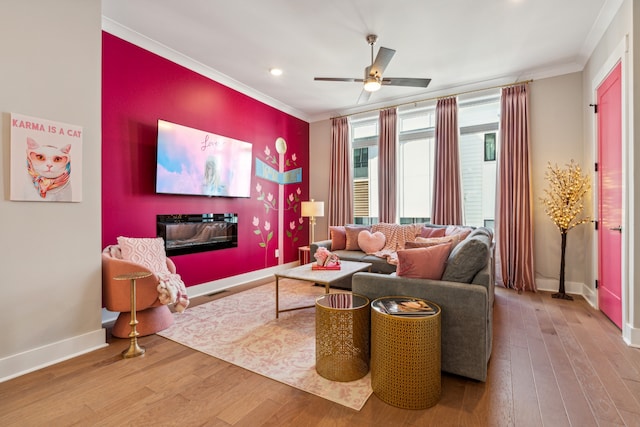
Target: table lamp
<point x="311" y="210"/>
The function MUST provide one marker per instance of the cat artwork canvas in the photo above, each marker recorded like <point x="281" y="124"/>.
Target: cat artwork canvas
<point x="45" y="160"/>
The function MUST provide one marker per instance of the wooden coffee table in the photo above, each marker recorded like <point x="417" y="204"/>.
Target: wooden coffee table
<point x="323" y="277"/>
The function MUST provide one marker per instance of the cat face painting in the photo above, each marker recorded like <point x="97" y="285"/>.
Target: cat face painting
<point x="49" y="169"/>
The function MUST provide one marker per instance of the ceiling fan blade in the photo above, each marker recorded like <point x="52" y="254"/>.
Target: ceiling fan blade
<point x="382" y="60"/>
<point x="336" y="79"/>
<point x="364" y="97"/>
<point x="403" y="81"/>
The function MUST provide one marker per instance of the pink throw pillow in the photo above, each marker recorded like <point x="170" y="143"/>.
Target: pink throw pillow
<point x="338" y="237"/>
<point x="371" y="242"/>
<point x="425" y="242"/>
<point x="460" y="230"/>
<point x="148" y="252"/>
<point x="423" y="263"/>
<point x="352" y="236"/>
<point x="432" y="232"/>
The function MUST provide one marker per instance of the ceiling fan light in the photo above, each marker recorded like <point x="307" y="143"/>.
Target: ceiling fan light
<point x="372" y="84"/>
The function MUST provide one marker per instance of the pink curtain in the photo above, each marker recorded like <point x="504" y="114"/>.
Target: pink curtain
<point x="341" y="175"/>
<point x="447" y="188"/>
<point x="387" y="166"/>
<point x="514" y="235"/>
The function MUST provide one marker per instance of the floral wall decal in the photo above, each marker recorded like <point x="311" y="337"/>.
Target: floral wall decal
<point x="280" y="204"/>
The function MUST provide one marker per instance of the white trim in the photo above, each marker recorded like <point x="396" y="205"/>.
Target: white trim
<point x="599" y="28"/>
<point x="266" y="274"/>
<point x="632" y="336"/>
<point x="19" y="364"/>
<point x="618" y="55"/>
<point x="551" y="285"/>
<point x="125" y="33"/>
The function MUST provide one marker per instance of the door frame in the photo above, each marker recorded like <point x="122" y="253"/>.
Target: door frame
<point x="619" y="54"/>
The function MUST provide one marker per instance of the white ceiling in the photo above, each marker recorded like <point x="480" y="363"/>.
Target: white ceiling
<point x="460" y="44"/>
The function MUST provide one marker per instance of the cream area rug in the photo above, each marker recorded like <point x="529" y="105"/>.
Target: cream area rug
<point x="242" y="329"/>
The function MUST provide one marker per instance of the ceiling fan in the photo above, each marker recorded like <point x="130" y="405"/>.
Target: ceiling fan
<point x="373" y="78"/>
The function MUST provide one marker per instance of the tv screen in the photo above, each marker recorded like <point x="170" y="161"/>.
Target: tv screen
<point x="196" y="162"/>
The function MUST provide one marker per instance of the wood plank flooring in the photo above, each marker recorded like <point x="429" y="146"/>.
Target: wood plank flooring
<point x="554" y="363"/>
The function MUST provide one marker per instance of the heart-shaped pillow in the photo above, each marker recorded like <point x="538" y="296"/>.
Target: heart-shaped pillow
<point x="371" y="242"/>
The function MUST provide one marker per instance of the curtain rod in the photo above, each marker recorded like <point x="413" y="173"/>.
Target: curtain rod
<point x="436" y="97"/>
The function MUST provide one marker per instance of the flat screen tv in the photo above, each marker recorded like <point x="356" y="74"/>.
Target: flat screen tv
<point x="196" y="162"/>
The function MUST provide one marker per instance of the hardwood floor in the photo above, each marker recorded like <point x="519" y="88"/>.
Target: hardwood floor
<point x="554" y="363"/>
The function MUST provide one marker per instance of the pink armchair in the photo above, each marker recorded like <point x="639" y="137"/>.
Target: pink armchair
<point x="152" y="315"/>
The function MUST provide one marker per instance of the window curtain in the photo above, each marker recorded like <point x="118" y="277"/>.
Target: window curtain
<point x="387" y="187"/>
<point x="341" y="176"/>
<point x="447" y="188"/>
<point x="514" y="231"/>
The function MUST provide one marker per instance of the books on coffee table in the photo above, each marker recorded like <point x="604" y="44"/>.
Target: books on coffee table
<point x="406" y="306"/>
<point x="315" y="266"/>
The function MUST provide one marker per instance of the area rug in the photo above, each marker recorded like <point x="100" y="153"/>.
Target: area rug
<point x="242" y="329"/>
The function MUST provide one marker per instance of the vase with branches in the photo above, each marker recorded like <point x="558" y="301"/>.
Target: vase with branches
<point x="563" y="203"/>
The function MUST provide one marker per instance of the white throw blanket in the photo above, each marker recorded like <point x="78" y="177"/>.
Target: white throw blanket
<point x="171" y="290"/>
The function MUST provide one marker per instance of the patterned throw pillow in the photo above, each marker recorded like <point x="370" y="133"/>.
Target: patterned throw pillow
<point x="432" y="232"/>
<point x="338" y="237"/>
<point x="458" y="230"/>
<point x="423" y="263"/>
<point x="425" y="242"/>
<point x="148" y="252"/>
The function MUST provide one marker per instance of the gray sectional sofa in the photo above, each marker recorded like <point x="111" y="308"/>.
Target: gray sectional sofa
<point x="466" y="297"/>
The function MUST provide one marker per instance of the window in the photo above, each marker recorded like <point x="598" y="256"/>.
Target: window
<point x="365" y="170"/>
<point x="489" y="147"/>
<point x="416" y="153"/>
<point x="478" y="120"/>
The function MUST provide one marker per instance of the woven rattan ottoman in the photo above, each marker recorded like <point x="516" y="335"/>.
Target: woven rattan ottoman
<point x="405" y="353"/>
<point x="342" y="336"/>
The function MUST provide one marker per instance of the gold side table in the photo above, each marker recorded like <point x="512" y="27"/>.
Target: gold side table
<point x="342" y="336"/>
<point x="405" y="356"/>
<point x="134" y="349"/>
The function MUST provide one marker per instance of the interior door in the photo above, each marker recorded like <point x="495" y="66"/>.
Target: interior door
<point x="609" y="122"/>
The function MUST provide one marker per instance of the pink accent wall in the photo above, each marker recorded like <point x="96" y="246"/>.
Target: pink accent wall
<point x="138" y="88"/>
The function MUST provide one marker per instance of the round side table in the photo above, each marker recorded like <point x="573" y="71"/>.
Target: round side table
<point x="405" y="355"/>
<point x="342" y="336"/>
<point x="134" y="349"/>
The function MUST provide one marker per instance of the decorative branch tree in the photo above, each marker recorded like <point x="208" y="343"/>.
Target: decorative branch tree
<point x="563" y="204"/>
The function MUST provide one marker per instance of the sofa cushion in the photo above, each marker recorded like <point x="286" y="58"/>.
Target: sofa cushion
<point x="462" y="230"/>
<point x="423" y="263"/>
<point x="352" y="232"/>
<point x="425" y="242"/>
<point x="338" y="237"/>
<point x="371" y="242"/>
<point x="432" y="232"/>
<point x="466" y="259"/>
<point x="146" y="251"/>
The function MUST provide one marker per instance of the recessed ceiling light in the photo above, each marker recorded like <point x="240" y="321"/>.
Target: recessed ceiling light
<point x="275" y="71"/>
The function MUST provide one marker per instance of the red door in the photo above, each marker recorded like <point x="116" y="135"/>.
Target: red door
<point x="609" y="101"/>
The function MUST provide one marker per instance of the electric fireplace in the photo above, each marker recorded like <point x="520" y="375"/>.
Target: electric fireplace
<point x="191" y="233"/>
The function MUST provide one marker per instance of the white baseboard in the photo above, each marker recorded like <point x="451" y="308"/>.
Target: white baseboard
<point x="22" y="363"/>
<point x="575" y="288"/>
<point x="266" y="274"/>
<point x="631" y="335"/>
<point x="551" y="285"/>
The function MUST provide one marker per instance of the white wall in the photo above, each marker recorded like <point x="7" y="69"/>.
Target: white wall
<point x="50" y="271"/>
<point x="556" y="136"/>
